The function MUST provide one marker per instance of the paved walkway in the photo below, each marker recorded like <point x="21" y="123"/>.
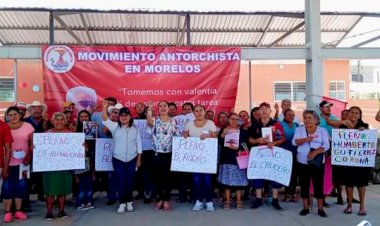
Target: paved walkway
<point x="182" y="215"/>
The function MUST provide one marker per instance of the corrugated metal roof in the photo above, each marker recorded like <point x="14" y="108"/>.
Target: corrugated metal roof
<point x="31" y="27"/>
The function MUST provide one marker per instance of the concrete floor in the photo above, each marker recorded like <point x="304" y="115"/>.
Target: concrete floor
<point x="182" y="215"/>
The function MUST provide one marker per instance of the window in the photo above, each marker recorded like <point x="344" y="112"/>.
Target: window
<point x="7" y="89"/>
<point x="294" y="91"/>
<point x="337" y="90"/>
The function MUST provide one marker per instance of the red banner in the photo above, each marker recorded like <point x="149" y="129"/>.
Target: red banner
<point x="86" y="75"/>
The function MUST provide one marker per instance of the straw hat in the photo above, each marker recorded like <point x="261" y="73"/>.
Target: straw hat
<point x="36" y="103"/>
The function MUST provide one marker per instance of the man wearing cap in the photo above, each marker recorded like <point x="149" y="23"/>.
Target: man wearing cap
<point x="327" y="120"/>
<point x="37" y="110"/>
<point x="285" y="105"/>
<point x="5" y="147"/>
<point x="68" y="106"/>
<point x="256" y="138"/>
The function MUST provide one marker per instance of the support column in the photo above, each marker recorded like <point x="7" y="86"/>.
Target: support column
<point x="51" y="28"/>
<point x="314" y="63"/>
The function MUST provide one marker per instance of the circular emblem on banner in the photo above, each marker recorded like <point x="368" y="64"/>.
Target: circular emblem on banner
<point x="59" y="59"/>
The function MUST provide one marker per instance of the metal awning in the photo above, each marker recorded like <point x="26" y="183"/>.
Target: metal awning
<point x="30" y="26"/>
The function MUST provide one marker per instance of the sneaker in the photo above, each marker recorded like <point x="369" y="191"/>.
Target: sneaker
<point x="19" y="215"/>
<point x="198" y="206"/>
<point x="257" y="203"/>
<point x="7" y="217"/>
<point x="322" y="213"/>
<point x="129" y="206"/>
<point x="121" y="208"/>
<point x="62" y="214"/>
<point x="210" y="206"/>
<point x="90" y="206"/>
<point x="49" y="217"/>
<point x="304" y="212"/>
<point x="276" y="205"/>
<point x="82" y="207"/>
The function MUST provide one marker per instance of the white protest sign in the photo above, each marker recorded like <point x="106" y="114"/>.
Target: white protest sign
<point x="58" y="151"/>
<point x="146" y="138"/>
<point x="181" y="121"/>
<point x="270" y="164"/>
<point x="103" y="154"/>
<point x="194" y="155"/>
<point x="351" y="147"/>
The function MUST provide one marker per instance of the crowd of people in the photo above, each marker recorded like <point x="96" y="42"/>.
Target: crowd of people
<point x="148" y="171"/>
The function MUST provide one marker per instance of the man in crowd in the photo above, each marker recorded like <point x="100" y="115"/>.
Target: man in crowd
<point x="285" y="105"/>
<point x="172" y="109"/>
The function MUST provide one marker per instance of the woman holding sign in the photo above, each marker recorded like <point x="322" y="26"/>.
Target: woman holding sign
<point x="57" y="183"/>
<point x="355" y="176"/>
<point x="312" y="142"/>
<point x="126" y="154"/>
<point x="230" y="175"/>
<point x="202" y="183"/>
<point x="15" y="179"/>
<point x="163" y="129"/>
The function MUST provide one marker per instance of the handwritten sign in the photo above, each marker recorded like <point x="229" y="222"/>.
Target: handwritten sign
<point x="194" y="155"/>
<point x="58" y="151"/>
<point x="103" y="154"/>
<point x="352" y="147"/>
<point x="181" y="121"/>
<point x="270" y="164"/>
<point x="146" y="138"/>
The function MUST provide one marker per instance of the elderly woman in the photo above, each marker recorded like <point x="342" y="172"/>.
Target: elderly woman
<point x="312" y="142"/>
<point x="126" y="154"/>
<point x="355" y="176"/>
<point x="14" y="187"/>
<point x="202" y="182"/>
<point x="230" y="176"/>
<point x="163" y="129"/>
<point x="57" y="183"/>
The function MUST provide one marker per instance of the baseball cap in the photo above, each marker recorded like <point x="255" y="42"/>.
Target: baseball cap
<point x="325" y="104"/>
<point x="265" y="104"/>
<point x="67" y="104"/>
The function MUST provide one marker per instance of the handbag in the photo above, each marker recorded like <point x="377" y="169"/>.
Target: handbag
<point x="317" y="161"/>
<point x="243" y="157"/>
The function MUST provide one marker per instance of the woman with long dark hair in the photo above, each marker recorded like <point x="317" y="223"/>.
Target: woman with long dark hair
<point x="126" y="154"/>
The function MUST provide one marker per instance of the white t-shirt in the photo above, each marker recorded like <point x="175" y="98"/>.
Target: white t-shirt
<point x="198" y="131"/>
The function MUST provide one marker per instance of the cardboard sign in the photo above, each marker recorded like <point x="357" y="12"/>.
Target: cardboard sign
<point x="146" y="138"/>
<point x="352" y="147"/>
<point x="103" y="154"/>
<point x="58" y="151"/>
<point x="194" y="155"/>
<point x="270" y="164"/>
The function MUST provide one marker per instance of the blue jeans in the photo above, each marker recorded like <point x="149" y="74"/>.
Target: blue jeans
<point x="84" y="195"/>
<point x="13" y="187"/>
<point x="124" y="176"/>
<point x="202" y="185"/>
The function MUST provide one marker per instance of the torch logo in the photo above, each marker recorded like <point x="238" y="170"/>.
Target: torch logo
<point x="59" y="59"/>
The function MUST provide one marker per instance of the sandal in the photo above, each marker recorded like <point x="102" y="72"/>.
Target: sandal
<point x="159" y="205"/>
<point x="239" y="205"/>
<point x="362" y="212"/>
<point x="167" y="207"/>
<point x="348" y="210"/>
<point x="227" y="206"/>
